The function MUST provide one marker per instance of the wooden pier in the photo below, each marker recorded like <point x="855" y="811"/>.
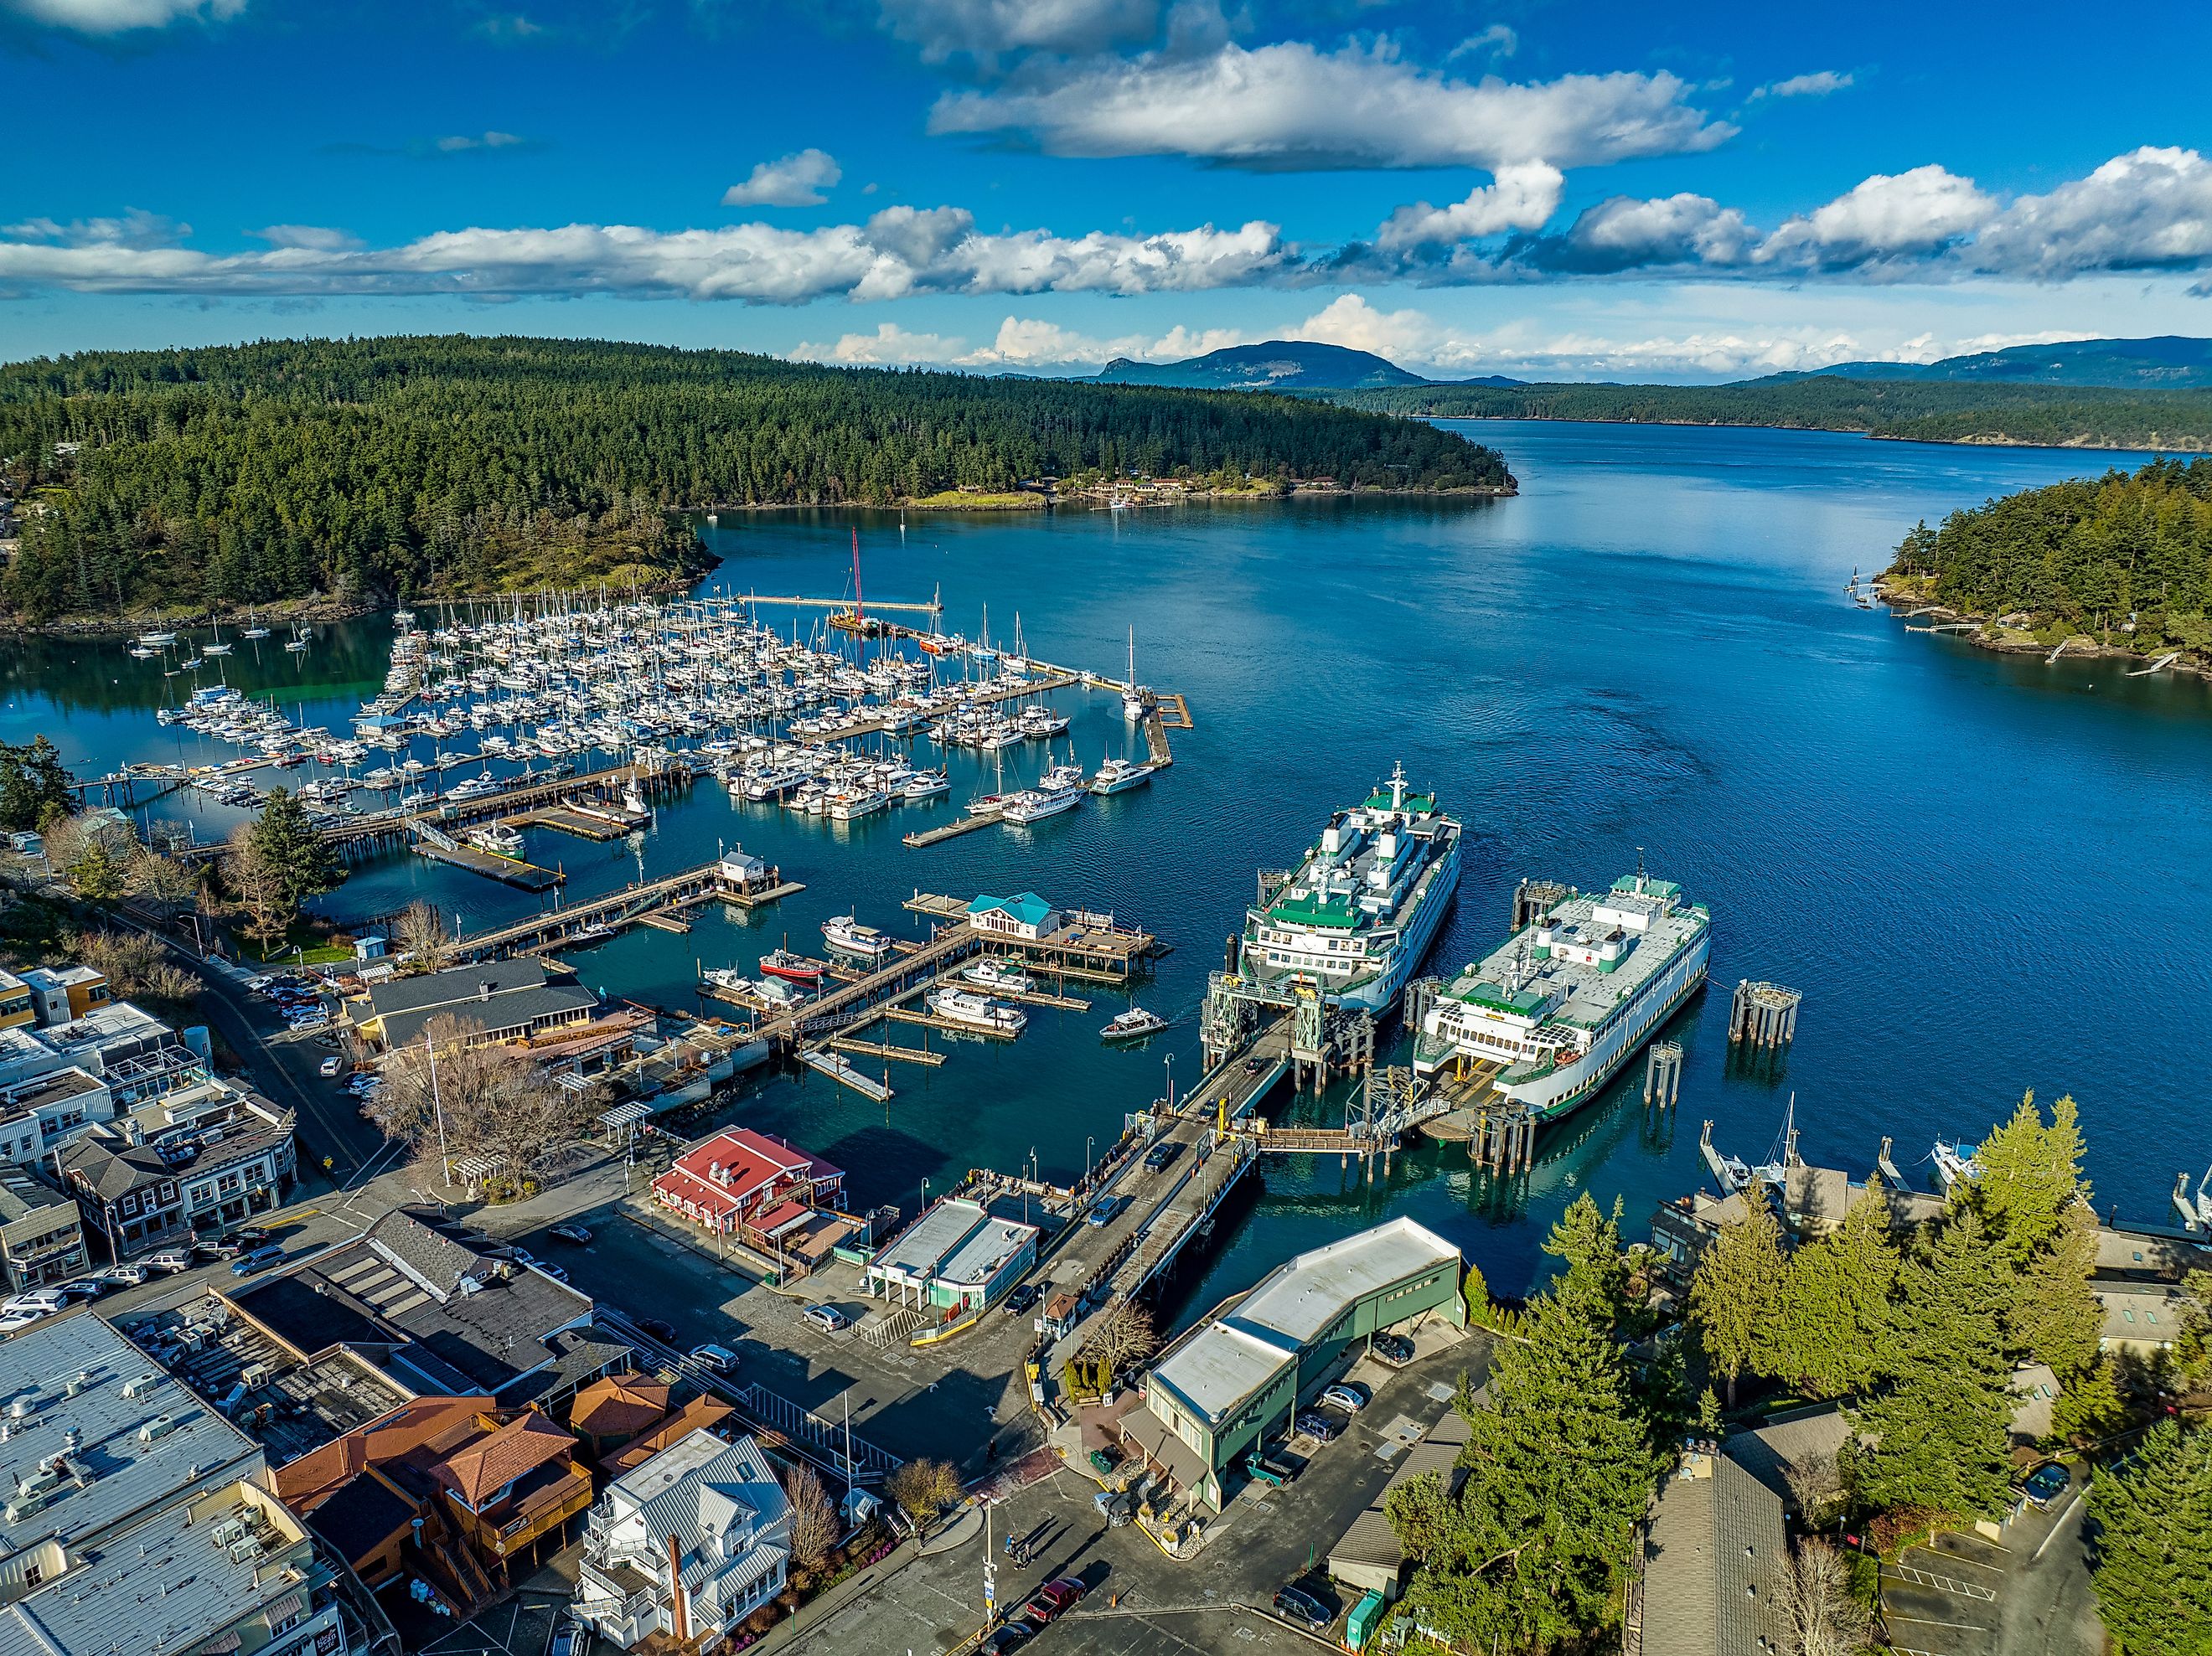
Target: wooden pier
<point x="871" y="722"/>
<point x="507" y="870"/>
<point x="616" y="909"/>
<point x="890" y="1050"/>
<point x="572" y="821"/>
<point x="1092" y="947"/>
<point x="943" y="1025"/>
<point x="966" y="824"/>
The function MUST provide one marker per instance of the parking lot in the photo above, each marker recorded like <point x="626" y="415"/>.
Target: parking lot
<point x="2026" y="1594"/>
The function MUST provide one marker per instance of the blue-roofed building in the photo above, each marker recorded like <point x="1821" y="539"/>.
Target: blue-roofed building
<point x="1024" y="915"/>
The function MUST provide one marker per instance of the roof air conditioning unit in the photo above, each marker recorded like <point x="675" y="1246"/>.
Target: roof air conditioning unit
<point x="139" y="1387"/>
<point x="159" y="1426"/>
<point x="227" y="1531"/>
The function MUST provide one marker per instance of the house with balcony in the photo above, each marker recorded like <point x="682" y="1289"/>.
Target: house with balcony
<point x="686" y="1546"/>
<point x="511" y="1487"/>
<point x="41" y="1237"/>
<point x="45" y="1112"/>
<point x="741" y="1180"/>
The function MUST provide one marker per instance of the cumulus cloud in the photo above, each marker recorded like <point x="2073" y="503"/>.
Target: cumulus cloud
<point x="1625" y="233"/>
<point x="1911" y="213"/>
<point x="794" y="180"/>
<point x="2150" y="208"/>
<point x="900" y="251"/>
<point x="986" y="30"/>
<point x="1523" y="196"/>
<point x="313" y="237"/>
<point x="120" y="16"/>
<point x="1292" y="104"/>
<point x="1021" y="343"/>
<point x="1818" y="84"/>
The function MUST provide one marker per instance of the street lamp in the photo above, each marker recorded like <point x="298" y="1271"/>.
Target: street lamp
<point x="1087" y="1144"/>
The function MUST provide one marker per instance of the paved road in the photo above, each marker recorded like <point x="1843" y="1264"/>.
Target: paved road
<point x="331" y="1124"/>
<point x="2029" y="1594"/>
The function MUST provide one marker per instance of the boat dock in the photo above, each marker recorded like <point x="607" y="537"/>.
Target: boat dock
<point x="570" y="821"/>
<point x="872" y="722"/>
<point x="966" y="824"/>
<point x="887" y="1050"/>
<point x="620" y="908"/>
<point x="842" y="1071"/>
<point x="440" y="847"/>
<point x="1089" y="945"/>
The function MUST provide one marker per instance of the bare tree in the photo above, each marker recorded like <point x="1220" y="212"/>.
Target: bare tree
<point x="815" y="1530"/>
<point x="148" y="875"/>
<point x="419" y="935"/>
<point x="1122" y="1337"/>
<point x="261" y="887"/>
<point x="135" y="967"/>
<point x="494" y="1101"/>
<point x="1814" y="1479"/>
<point x="922" y="1489"/>
<point x="68" y="839"/>
<point x="1824" y="1618"/>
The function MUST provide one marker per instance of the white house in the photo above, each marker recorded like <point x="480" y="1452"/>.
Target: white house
<point x="1024" y="915"/>
<point x="688" y="1545"/>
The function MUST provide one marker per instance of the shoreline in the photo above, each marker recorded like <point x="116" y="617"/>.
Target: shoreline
<point x="2016" y="641"/>
<point x="1994" y="439"/>
<point x="1101" y="499"/>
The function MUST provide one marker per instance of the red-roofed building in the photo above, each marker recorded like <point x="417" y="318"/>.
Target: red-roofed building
<point x="728" y="1182"/>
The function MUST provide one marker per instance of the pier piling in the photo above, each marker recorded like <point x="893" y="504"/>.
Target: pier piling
<point x="1662" y="1075"/>
<point x="1763" y="1014"/>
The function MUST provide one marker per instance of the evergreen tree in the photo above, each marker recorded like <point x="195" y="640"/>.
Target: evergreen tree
<point x="2030" y="1174"/>
<point x="2088" y="1407"/>
<point x="2056" y="1315"/>
<point x="1735" y="1298"/>
<point x="1596" y="1274"/>
<point x="1837" y="1321"/>
<point x="35" y="785"/>
<point x="1940" y="1436"/>
<point x="288" y="845"/>
<point x="99" y="878"/>
<point x="2152" y="1513"/>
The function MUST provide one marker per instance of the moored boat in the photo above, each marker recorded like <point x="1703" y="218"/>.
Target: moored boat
<point x="974" y="1012"/>
<point x="791" y="967"/>
<point x="1133" y="1024"/>
<point x="848" y="937"/>
<point x="1000" y="974"/>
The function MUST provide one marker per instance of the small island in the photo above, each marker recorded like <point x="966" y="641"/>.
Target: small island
<point x="2119" y="565"/>
<point x="313" y="478"/>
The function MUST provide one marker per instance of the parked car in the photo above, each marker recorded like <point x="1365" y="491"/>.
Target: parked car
<point x="1162" y="1154"/>
<point x="719" y="1358"/>
<point x="1268" y="1470"/>
<point x="1013" y="1636"/>
<point x="562" y="1642"/>
<point x="543" y="1269"/>
<point x="251" y="1235"/>
<point x="1394" y="1348"/>
<point x="1297" y="1604"/>
<point x="1349" y="1398"/>
<point x="664" y="1332"/>
<point x="1064" y="1590"/>
<point x="260" y="1259"/>
<point x="1103" y="1210"/>
<point x="2045" y="1484"/>
<point x="129" y="1274"/>
<point x="575" y="1234"/>
<point x="86" y="1288"/>
<point x="1317" y="1425"/>
<point x="1023" y="1296"/>
<point x="827" y="1318"/>
<point x="329" y="1066"/>
<point x="1117" y="1507"/>
<point x="171" y="1260"/>
<point x="215" y="1247"/>
<point x="12" y="1320"/>
<point x="43" y="1301"/>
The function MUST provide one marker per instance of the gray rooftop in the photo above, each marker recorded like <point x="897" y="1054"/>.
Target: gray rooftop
<point x="21" y="1195"/>
<point x="462" y="983"/>
<point x="123" y="1476"/>
<point x="1713" y="1564"/>
<point x="923" y="1245"/>
<point x="1301" y="1297"/>
<point x="505" y="1010"/>
<point x="987" y="1247"/>
<point x="1216" y="1367"/>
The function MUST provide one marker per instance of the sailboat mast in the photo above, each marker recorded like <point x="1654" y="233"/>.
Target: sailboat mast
<point x="859" y="614"/>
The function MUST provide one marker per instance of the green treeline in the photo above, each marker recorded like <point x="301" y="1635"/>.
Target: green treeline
<point x="1930" y="412"/>
<point x="256" y="473"/>
<point x="2082" y="554"/>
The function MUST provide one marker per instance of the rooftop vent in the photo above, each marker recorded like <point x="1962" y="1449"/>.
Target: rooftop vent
<point x="77" y="1382"/>
<point x="19" y="1406"/>
<point x="159" y="1426"/>
<point x="139" y="1387"/>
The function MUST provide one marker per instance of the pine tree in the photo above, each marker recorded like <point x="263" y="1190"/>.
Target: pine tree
<point x="2152" y="1513"/>
<point x="2056" y="1315"/>
<point x="1596" y="1274"/>
<point x="288" y="844"/>
<point x="1836" y="1320"/>
<point x="1940" y="1436"/>
<point x="1735" y="1299"/>
<point x="2088" y="1407"/>
<point x="99" y="878"/>
<point x="2030" y="1174"/>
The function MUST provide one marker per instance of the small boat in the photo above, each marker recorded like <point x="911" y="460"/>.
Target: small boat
<point x="976" y="1012"/>
<point x="143" y="653"/>
<point x="498" y="838"/>
<point x="850" y="804"/>
<point x="1005" y="976"/>
<point x="1136" y="700"/>
<point x="158" y="641"/>
<point x="254" y="632"/>
<point x="295" y="644"/>
<point x="925" y="785"/>
<point x="796" y="969"/>
<point x="1137" y="1022"/>
<point x="1119" y="776"/>
<point x="1034" y="804"/>
<point x="1954" y="1162"/>
<point x="594" y="933"/>
<point x="848" y="937"/>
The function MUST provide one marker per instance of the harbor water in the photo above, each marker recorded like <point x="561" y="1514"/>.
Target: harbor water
<point x="1984" y="873"/>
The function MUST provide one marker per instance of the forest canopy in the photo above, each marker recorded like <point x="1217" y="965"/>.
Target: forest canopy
<point x="2087" y="553"/>
<point x="1924" y="411"/>
<point x="256" y="473"/>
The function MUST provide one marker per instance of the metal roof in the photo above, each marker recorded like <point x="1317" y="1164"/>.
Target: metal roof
<point x="1217" y="1367"/>
<point x="1300" y="1298"/>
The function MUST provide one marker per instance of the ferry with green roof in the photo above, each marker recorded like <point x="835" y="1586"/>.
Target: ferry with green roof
<point x="1569" y="999"/>
<point x="1354" y="918"/>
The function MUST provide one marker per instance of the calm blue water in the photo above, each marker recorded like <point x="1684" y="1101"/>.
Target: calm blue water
<point x="1986" y="873"/>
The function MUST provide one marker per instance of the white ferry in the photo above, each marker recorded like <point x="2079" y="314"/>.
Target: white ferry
<point x="1354" y="918"/>
<point x="974" y="1012"/>
<point x="1569" y="999"/>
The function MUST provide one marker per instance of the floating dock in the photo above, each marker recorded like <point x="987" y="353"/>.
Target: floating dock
<point x="889" y="1050"/>
<point x="507" y="870"/>
<point x="939" y="835"/>
<point x="841" y="1071"/>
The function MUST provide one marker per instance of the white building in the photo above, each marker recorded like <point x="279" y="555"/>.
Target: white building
<point x="688" y="1545"/>
<point x="1024" y="915"/>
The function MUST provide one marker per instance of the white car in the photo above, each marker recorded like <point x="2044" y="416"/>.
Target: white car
<point x="12" y="1320"/>
<point x="40" y="1301"/>
<point x="330" y="1066"/>
<point x="171" y="1260"/>
<point x="130" y="1274"/>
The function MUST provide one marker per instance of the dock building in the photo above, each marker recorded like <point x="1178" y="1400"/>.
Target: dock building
<point x="1232" y="1383"/>
<point x="958" y="1258"/>
<point x="510" y="1000"/>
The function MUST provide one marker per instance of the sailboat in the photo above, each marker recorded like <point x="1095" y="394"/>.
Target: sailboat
<point x="1134" y="698"/>
<point x="298" y="641"/>
<point x="981" y="649"/>
<point x="218" y="645"/>
<point x="253" y="628"/>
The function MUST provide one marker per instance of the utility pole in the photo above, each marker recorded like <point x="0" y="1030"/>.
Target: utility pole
<point x="990" y="1573"/>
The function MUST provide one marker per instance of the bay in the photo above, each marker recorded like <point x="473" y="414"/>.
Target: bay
<point x="1986" y="873"/>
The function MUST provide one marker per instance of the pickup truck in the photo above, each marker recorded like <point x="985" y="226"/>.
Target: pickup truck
<point x="1268" y="1470"/>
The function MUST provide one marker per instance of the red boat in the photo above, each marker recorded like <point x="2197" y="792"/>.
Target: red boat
<point x="793" y="968"/>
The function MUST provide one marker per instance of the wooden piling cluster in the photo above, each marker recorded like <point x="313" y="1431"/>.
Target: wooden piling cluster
<point x="1534" y="899"/>
<point x="1662" y="1075"/>
<point x="1504" y="1141"/>
<point x="1763" y="1014"/>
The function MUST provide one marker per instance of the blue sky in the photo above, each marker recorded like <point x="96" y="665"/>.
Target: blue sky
<point x="1586" y="190"/>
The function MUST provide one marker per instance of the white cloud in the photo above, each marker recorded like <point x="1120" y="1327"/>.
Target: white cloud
<point x="1915" y="213"/>
<point x="461" y="144"/>
<point x="986" y="30"/>
<point x="118" y="17"/>
<point x="1022" y="342"/>
<point x="134" y="227"/>
<point x="1623" y="234"/>
<point x="794" y="180"/>
<point x="2146" y="209"/>
<point x="314" y="237"/>
<point x="1496" y="38"/>
<point x="1291" y="104"/>
<point x="1818" y="84"/>
<point x="1350" y="321"/>
<point x="1523" y="196"/>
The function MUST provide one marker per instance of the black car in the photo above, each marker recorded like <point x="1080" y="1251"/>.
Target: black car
<point x="1023" y="1296"/>
<point x="1162" y="1154"/>
<point x="664" y="1332"/>
<point x="1394" y="1348"/>
<point x="1296" y="1605"/>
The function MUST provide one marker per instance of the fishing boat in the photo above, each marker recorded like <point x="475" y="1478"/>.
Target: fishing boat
<point x="792" y="968"/>
<point x="1137" y="1022"/>
<point x="974" y="1012"/>
<point x="848" y="937"/>
<point x="1119" y="775"/>
<point x="1003" y="976"/>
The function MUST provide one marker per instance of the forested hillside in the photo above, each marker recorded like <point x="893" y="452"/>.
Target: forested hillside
<point x="1933" y="412"/>
<point x="2086" y="554"/>
<point x="365" y="468"/>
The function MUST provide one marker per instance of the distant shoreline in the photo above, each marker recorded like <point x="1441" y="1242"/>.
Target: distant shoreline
<point x="2081" y="444"/>
<point x="1988" y="633"/>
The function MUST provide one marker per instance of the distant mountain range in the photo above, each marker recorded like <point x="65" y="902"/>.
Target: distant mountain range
<point x="2169" y="362"/>
<point x="1284" y="365"/>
